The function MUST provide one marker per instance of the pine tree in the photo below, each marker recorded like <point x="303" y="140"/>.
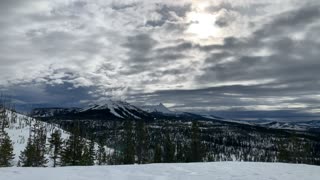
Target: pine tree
<point x="169" y="149"/>
<point x="85" y="156"/>
<point x="34" y="153"/>
<point x="92" y="153"/>
<point x="128" y="144"/>
<point x="40" y="146"/>
<point x="27" y="156"/>
<point x="101" y="154"/>
<point x="6" y="151"/>
<point x="142" y="142"/>
<point x="180" y="153"/>
<point x="73" y="151"/>
<point x="55" y="146"/>
<point x="88" y="155"/>
<point x="196" y="146"/>
<point x="157" y="154"/>
<point x="3" y="115"/>
<point x="6" y="147"/>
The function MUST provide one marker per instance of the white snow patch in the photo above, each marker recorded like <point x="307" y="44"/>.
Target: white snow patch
<point x="116" y="105"/>
<point x="192" y="171"/>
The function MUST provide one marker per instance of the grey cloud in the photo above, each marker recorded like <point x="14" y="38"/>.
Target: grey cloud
<point x="123" y="6"/>
<point x="292" y="20"/>
<point x="143" y="54"/>
<point x="181" y="47"/>
<point x="253" y="9"/>
<point x="166" y="14"/>
<point x="225" y="18"/>
<point x="222" y="22"/>
<point x="140" y="43"/>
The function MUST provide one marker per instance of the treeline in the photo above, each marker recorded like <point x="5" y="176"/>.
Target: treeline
<point x="161" y="141"/>
<point x="135" y="145"/>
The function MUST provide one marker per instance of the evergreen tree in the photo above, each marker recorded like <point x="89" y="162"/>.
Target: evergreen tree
<point x="180" y="153"/>
<point x="284" y="154"/>
<point x="6" y="147"/>
<point x="88" y="155"/>
<point x="3" y="115"/>
<point x="142" y="142"/>
<point x="27" y="156"/>
<point x="72" y="152"/>
<point x="55" y="146"/>
<point x="196" y="146"/>
<point x="6" y="151"/>
<point x="169" y="149"/>
<point x="92" y="153"/>
<point x="101" y="154"/>
<point x="157" y="154"/>
<point x="34" y="153"/>
<point x="128" y="144"/>
<point x="40" y="146"/>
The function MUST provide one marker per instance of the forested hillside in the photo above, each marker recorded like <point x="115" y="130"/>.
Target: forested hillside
<point x="156" y="137"/>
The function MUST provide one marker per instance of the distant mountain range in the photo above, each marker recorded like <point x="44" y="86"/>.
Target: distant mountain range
<point x="120" y="110"/>
<point x="115" y="110"/>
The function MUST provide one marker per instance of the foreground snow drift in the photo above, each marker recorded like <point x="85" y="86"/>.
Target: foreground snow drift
<point x="196" y="171"/>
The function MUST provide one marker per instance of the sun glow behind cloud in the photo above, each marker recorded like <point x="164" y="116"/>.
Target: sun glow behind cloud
<point x="202" y="25"/>
<point x="202" y="28"/>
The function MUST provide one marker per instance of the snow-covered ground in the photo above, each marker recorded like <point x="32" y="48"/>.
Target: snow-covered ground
<point x="19" y="127"/>
<point x="19" y="130"/>
<point x="196" y="171"/>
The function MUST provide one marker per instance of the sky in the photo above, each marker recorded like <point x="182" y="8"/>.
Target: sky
<point x="243" y="58"/>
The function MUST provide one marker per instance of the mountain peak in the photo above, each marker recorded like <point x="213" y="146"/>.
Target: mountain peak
<point x="161" y="108"/>
<point x="120" y="109"/>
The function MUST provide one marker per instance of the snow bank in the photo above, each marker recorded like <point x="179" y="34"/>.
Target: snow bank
<point x="194" y="171"/>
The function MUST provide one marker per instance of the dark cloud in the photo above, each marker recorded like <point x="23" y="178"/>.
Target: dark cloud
<point x="140" y="43"/>
<point x="225" y="18"/>
<point x="27" y="96"/>
<point x="253" y="9"/>
<point x="123" y="6"/>
<point x="222" y="22"/>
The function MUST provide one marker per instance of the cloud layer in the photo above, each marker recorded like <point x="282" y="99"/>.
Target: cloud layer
<point x="223" y="56"/>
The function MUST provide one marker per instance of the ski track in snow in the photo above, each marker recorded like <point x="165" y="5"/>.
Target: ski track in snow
<point x="192" y="171"/>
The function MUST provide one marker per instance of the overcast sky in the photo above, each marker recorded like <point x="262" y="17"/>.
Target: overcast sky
<point x="237" y="58"/>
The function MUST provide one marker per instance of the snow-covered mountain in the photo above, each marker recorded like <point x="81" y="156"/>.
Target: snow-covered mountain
<point x="298" y="126"/>
<point x="308" y="125"/>
<point x="160" y="108"/>
<point x="107" y="110"/>
<point x="118" y="109"/>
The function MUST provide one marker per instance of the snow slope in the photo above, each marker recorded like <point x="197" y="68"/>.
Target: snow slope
<point x="19" y="129"/>
<point x="119" y="109"/>
<point x="195" y="171"/>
